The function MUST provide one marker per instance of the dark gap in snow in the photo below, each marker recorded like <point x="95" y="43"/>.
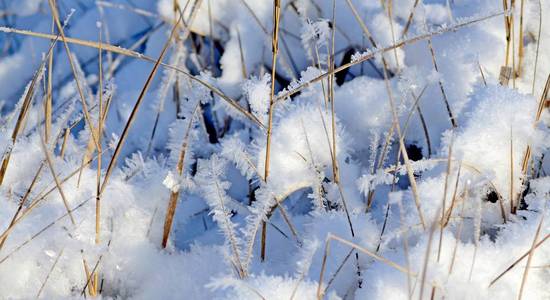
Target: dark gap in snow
<point x="492" y="196"/>
<point x="341" y="76"/>
<point x="280" y="79"/>
<point x="209" y="123"/>
<point x="414" y="152"/>
<point x="527" y="189"/>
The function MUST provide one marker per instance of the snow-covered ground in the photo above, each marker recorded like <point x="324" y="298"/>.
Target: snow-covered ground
<point x="408" y="172"/>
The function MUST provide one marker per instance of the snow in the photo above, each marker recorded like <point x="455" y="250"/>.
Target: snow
<point x="336" y="176"/>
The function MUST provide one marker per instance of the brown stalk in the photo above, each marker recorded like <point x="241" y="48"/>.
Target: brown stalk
<point x="232" y="240"/>
<point x="337" y="271"/>
<point x="243" y="63"/>
<point x="481" y="72"/>
<point x="416" y="105"/>
<point x="366" y="32"/>
<point x="211" y="32"/>
<point x="531" y="254"/>
<point x="57" y="181"/>
<point x="427" y="259"/>
<point x="443" y="202"/>
<point x="546" y="237"/>
<point x="521" y="44"/>
<point x="390" y="17"/>
<point x="537" y="51"/>
<point x="335" y="170"/>
<point x="441" y="88"/>
<point x="64" y="143"/>
<point x="48" y="102"/>
<point x="513" y="204"/>
<point x="100" y="131"/>
<point x="459" y="232"/>
<point x="513" y="44"/>
<point x="283" y="59"/>
<point x="95" y="281"/>
<point x="49" y="273"/>
<point x="409" y="19"/>
<point x="507" y="27"/>
<point x="453" y="201"/>
<point x="332" y="142"/>
<point x="174" y="196"/>
<point x="275" y="50"/>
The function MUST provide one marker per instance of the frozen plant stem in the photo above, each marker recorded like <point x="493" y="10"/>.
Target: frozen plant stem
<point x="275" y="50"/>
<point x="48" y="99"/>
<point x="174" y="195"/>
<point x="95" y="282"/>
<point x="409" y="19"/>
<point x="441" y="88"/>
